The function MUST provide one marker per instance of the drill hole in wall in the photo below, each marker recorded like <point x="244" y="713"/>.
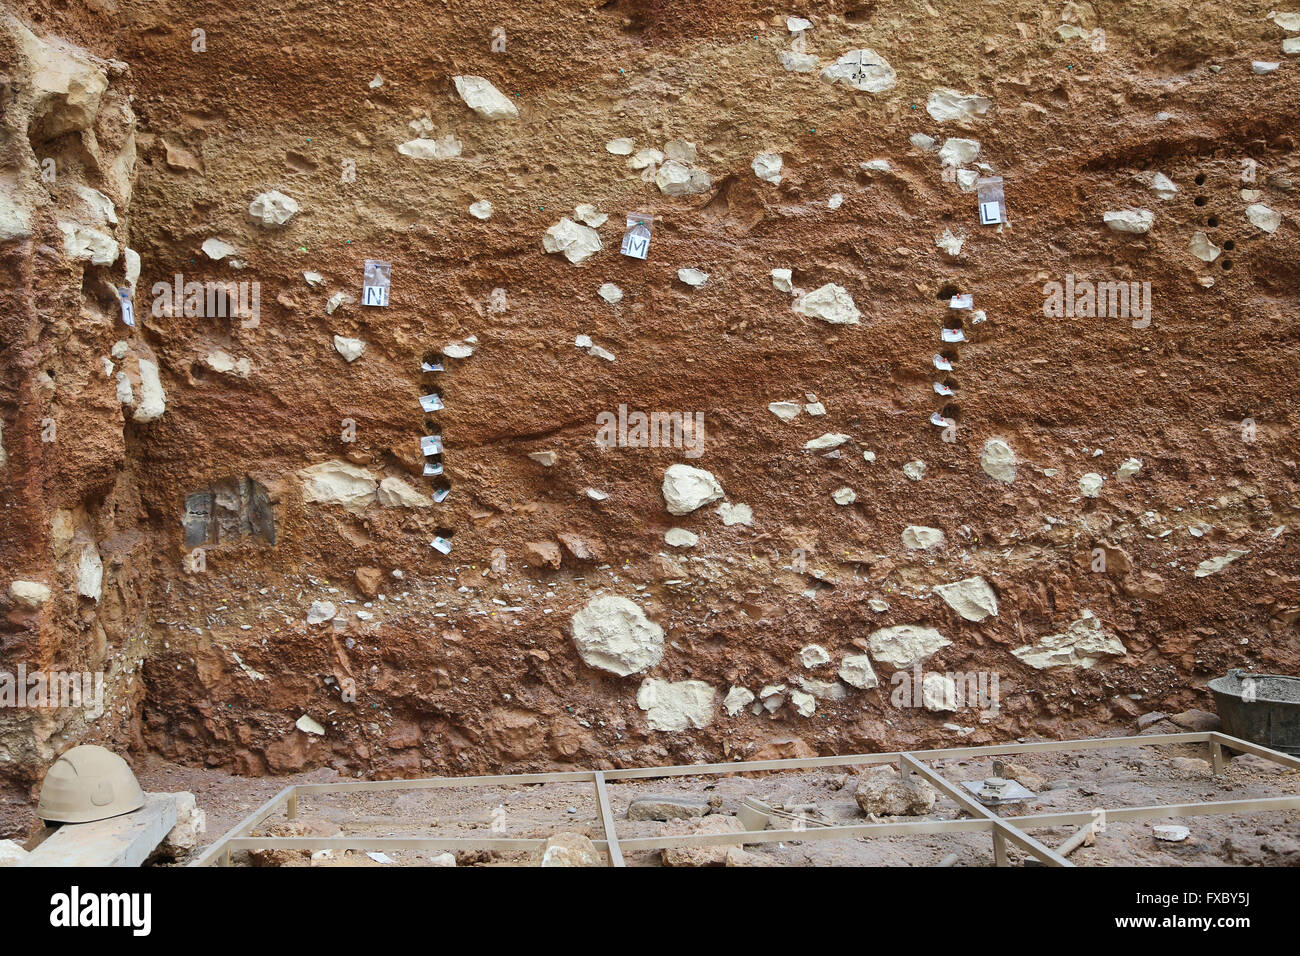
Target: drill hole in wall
<point x="952" y="412"/>
<point x="947" y="291"/>
<point x="952" y="322"/>
<point x="1199" y="200"/>
<point x="1212" y="222"/>
<point x="1200" y="179"/>
<point x="1229" y="245"/>
<point x="1227" y="264"/>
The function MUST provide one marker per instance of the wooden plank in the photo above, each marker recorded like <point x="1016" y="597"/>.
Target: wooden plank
<point x="126" y="840"/>
<point x="607" y="822"/>
<point x="1245" y="746"/>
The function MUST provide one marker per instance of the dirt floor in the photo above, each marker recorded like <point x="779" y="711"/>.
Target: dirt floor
<point x="1081" y="781"/>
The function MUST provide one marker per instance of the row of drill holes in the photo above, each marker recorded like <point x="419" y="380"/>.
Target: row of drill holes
<point x="1213" y="222"/>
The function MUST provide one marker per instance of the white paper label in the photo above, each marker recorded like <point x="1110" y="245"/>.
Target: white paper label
<point x="128" y="310"/>
<point x="375" y="283"/>
<point x="990" y="213"/>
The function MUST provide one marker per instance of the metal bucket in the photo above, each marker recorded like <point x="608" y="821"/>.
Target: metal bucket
<point x="1261" y="708"/>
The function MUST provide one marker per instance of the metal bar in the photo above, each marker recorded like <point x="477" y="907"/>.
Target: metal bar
<point x="856" y="831"/>
<point x="291" y="806"/>
<point x="1245" y="746"/>
<point x="1160" y="812"/>
<point x="607" y="822"/>
<point x="1000" y="857"/>
<point x="364" y="842"/>
<point x="811" y="763"/>
<point x="438" y="783"/>
<point x="242" y="827"/>
<point x="973" y="806"/>
<point x="1216" y="756"/>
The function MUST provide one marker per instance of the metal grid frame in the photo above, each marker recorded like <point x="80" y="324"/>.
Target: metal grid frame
<point x="981" y="819"/>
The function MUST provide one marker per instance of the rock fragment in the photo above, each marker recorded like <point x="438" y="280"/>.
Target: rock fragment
<point x="673" y="706"/>
<point x="272" y="209"/>
<point x="350" y="349"/>
<point x="830" y="303"/>
<point x="737" y="699"/>
<point x="920" y="538"/>
<point x="881" y="792"/>
<point x="576" y="241"/>
<point x="948" y="105"/>
<point x="613" y="634"/>
<point x="972" y="598"/>
<point x="570" y="849"/>
<point x="1262" y="217"/>
<point x="767" y="167"/>
<point x="998" y="461"/>
<point x="1215" y="565"/>
<point x="905" y="644"/>
<point x="1129" y="220"/>
<point x="864" y="70"/>
<point x="686" y="488"/>
<point x="681" y="538"/>
<point x="856" y="671"/>
<point x="484" y="99"/>
<point x="1081" y="645"/>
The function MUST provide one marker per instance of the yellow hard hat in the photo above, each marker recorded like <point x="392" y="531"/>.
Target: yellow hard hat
<point x="88" y="783"/>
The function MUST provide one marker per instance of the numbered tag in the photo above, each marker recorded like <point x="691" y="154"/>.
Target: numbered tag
<point x="953" y="335"/>
<point x="128" y="310"/>
<point x="942" y="363"/>
<point x="440" y="495"/>
<point x="431" y="445"/>
<point x="941" y="389"/>
<point x="441" y="545"/>
<point x="431" y="403"/>
<point x="636" y="240"/>
<point x="432" y="469"/>
<point x="377" y="279"/>
<point x="966" y="301"/>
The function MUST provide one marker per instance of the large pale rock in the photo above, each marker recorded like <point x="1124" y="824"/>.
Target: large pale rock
<point x="714" y="823"/>
<point x="687" y="488"/>
<point x="830" y="303"/>
<point x="864" y="70"/>
<point x="1082" y="644"/>
<point x="957" y="151"/>
<point x="449" y="147"/>
<point x="767" y="167"/>
<point x="339" y="483"/>
<point x="881" y="792"/>
<point x="153" y="400"/>
<point x="676" y="705"/>
<point x="395" y="493"/>
<point x="88" y="244"/>
<point x="939" y="692"/>
<point x="1262" y="217"/>
<point x="998" y="460"/>
<point x="856" y="671"/>
<point x="11" y="854"/>
<point x="905" y="644"/>
<point x="920" y="538"/>
<point x="1129" y="220"/>
<point x="947" y="105"/>
<point x="1215" y="565"/>
<point x="90" y="573"/>
<point x="972" y="598"/>
<point x="737" y="699"/>
<point x="665" y="808"/>
<point x="28" y="594"/>
<point x="577" y="242"/>
<point x="190" y="824"/>
<point x="350" y="349"/>
<point x="615" y="635"/>
<point x="484" y="98"/>
<point x="675" y="178"/>
<point x="272" y="209"/>
<point x="571" y="849"/>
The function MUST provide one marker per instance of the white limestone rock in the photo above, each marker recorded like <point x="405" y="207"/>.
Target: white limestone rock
<point x="814" y="655"/>
<point x="1203" y="248"/>
<point x="957" y="151"/>
<point x="830" y="303"/>
<point x="1128" y="468"/>
<point x="339" y="483"/>
<point x="767" y="167"/>
<point x="972" y="598"/>
<point x="88" y="244"/>
<point x="395" y="493"/>
<point x="272" y="209"/>
<point x="686" y="488"/>
<point x="914" y="470"/>
<point x="826" y="442"/>
<point x="217" y="249"/>
<point x="449" y="147"/>
<point x="736" y="514"/>
<point x="856" y="671"/>
<point x="998" y="461"/>
<point x="485" y="99"/>
<point x="1082" y="645"/>
<point x="920" y="538"/>
<point x="681" y="538"/>
<point x="1215" y="565"/>
<point x="795" y="62"/>
<point x="481" y="209"/>
<point x="153" y="400"/>
<point x="576" y="241"/>
<point x="28" y="594"/>
<point x="864" y="70"/>
<point x="783" y="280"/>
<point x="844" y="496"/>
<point x="947" y="105"/>
<point x="938" y="692"/>
<point x="1262" y="217"/>
<point x="610" y="293"/>
<point x="621" y="146"/>
<point x="1090" y="485"/>
<point x="737" y="699"/>
<point x="786" y="411"/>
<point x="90" y="573"/>
<point x="1136" y="221"/>
<point x="673" y="706"/>
<point x="693" y="277"/>
<point x="350" y="349"/>
<point x="613" y="634"/>
<point x="905" y="644"/>
<point x="321" y="611"/>
<point x="676" y="178"/>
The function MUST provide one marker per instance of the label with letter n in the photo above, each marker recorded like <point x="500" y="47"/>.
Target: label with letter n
<point x="636" y="240"/>
<point x="378" y="278"/>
